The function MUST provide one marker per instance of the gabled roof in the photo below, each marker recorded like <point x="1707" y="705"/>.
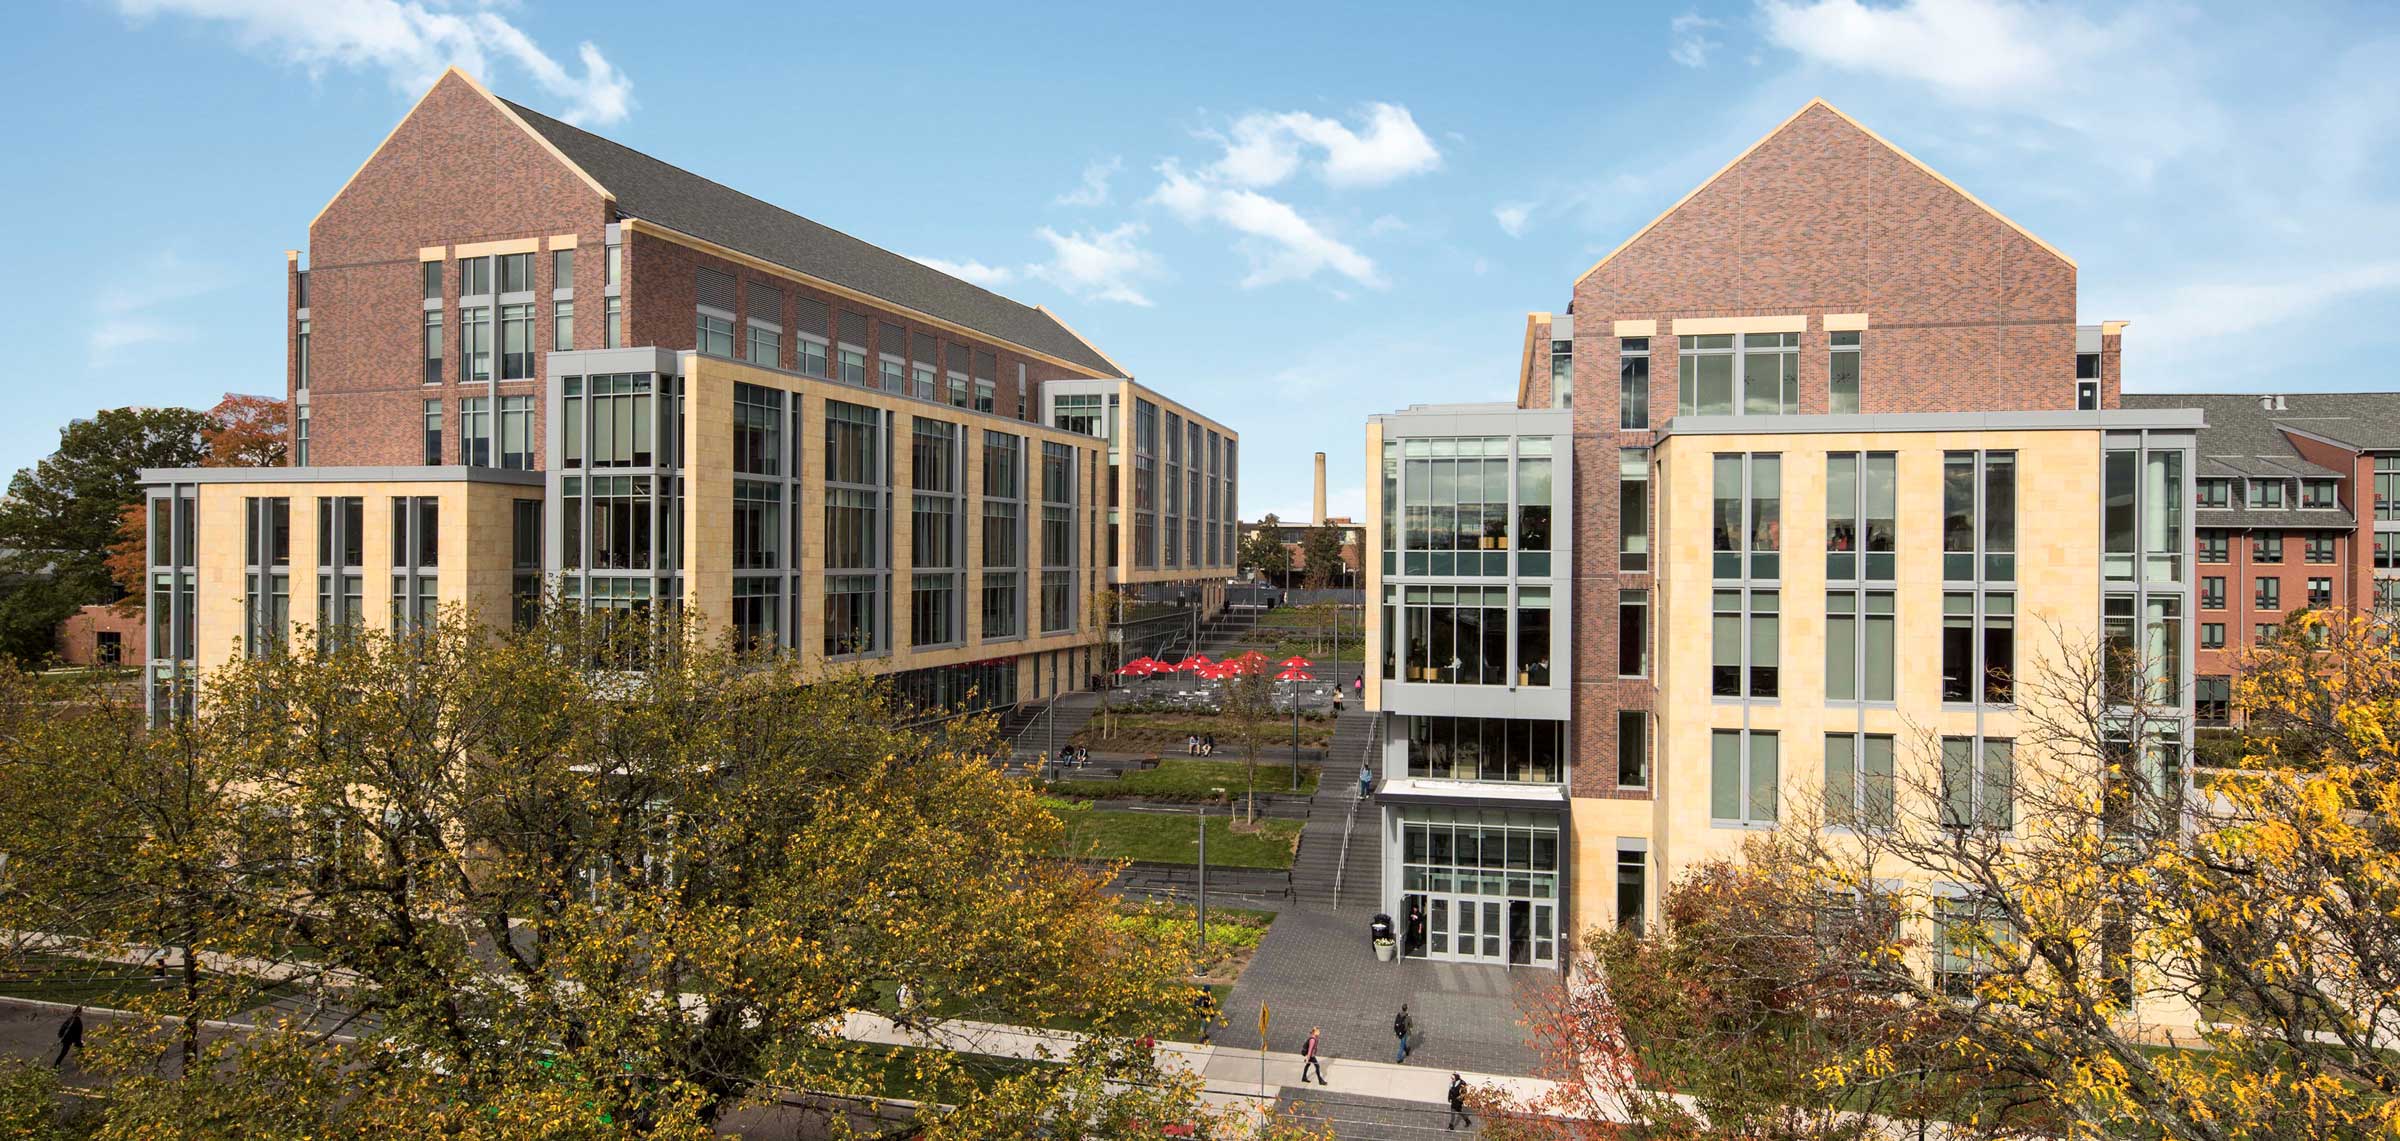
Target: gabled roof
<point x="675" y="198"/>
<point x="2245" y="439"/>
<point x="1887" y="144"/>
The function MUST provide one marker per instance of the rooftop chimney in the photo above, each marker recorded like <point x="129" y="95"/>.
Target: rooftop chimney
<point x="1320" y="500"/>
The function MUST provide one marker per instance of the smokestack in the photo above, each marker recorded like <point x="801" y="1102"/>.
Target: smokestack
<point x="1320" y="501"/>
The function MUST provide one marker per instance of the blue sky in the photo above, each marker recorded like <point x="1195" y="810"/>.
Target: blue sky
<point x="1290" y="216"/>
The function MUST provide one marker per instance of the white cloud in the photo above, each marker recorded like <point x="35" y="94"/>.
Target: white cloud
<point x="2131" y="78"/>
<point x="1691" y="45"/>
<point x="1105" y="265"/>
<point x="1512" y="217"/>
<point x="1093" y="190"/>
<point x="971" y="270"/>
<point x="1281" y="245"/>
<point x="140" y="309"/>
<point x="410" y="41"/>
<point x="2209" y="311"/>
<point x="1264" y="149"/>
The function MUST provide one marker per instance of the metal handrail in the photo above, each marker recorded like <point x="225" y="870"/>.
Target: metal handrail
<point x="1341" y="863"/>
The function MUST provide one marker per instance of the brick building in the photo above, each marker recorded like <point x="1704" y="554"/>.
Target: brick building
<point x="2297" y="500"/>
<point x="101" y="636"/>
<point x="553" y="363"/>
<point x="1785" y="430"/>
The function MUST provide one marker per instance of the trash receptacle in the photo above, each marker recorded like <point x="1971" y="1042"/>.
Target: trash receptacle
<point x="1385" y="938"/>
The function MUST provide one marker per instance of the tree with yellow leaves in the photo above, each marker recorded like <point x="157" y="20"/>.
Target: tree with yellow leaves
<point x="550" y="895"/>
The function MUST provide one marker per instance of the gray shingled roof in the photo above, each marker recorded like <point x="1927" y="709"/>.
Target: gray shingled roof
<point x="2285" y="519"/>
<point x="658" y="192"/>
<point x="2239" y="428"/>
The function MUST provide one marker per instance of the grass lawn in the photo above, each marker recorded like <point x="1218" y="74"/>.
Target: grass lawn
<point x="67" y="978"/>
<point x="1164" y="732"/>
<point x="1190" y="778"/>
<point x="1169" y="838"/>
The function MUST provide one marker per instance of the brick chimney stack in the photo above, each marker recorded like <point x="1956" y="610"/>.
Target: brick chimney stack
<point x="1320" y="500"/>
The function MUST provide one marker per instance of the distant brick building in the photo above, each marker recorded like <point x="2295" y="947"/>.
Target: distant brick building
<point x="100" y="636"/>
<point x="2297" y="505"/>
<point x="1294" y="537"/>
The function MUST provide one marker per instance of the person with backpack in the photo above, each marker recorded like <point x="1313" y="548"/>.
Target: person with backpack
<point x="1458" y="1105"/>
<point x="1401" y="1026"/>
<point x="1314" y="1063"/>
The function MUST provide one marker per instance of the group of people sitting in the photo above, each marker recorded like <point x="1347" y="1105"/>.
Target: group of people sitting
<point x="1200" y="745"/>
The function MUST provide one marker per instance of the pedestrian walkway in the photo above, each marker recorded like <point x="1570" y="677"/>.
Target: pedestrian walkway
<point x="1314" y="969"/>
<point x="1230" y="1073"/>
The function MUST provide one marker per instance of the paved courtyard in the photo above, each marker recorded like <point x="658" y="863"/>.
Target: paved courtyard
<point x="1315" y="969"/>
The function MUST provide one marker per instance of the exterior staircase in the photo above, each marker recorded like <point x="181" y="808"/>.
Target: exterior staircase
<point x="1039" y="727"/>
<point x="1325" y="852"/>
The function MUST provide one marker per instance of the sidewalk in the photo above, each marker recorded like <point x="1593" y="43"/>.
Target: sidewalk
<point x="1231" y="1074"/>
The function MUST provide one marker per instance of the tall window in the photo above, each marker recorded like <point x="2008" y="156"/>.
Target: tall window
<point x="935" y="530"/>
<point x="516" y="433"/>
<point x="1859" y="645"/>
<point x="475" y="431"/>
<point x="300" y="437"/>
<point x="1743" y="767"/>
<point x="1745" y="643"/>
<point x="433" y="345"/>
<point x="1633" y="633"/>
<point x="1861" y="512"/>
<point x="1533" y="635"/>
<point x="516" y="273"/>
<point x="1533" y="505"/>
<point x="851" y="352"/>
<point x="857" y="566"/>
<point x="1633" y="749"/>
<point x="1748" y="520"/>
<point x="810" y="328"/>
<point x="1858" y="781"/>
<point x="300" y="356"/>
<point x="757" y="524"/>
<point x="1633" y="509"/>
<point x="1748" y="374"/>
<point x="1979" y="516"/>
<point x="341" y="533"/>
<point x="1455" y="635"/>
<point x="613" y="334"/>
<point x="475" y="334"/>
<point x="562" y="269"/>
<point x="433" y="431"/>
<point x="716" y="292"/>
<point x="1841" y="383"/>
<point x="2387" y="489"/>
<point x="1979" y="647"/>
<point x="516" y="342"/>
<point x="1562" y="373"/>
<point x="432" y="273"/>
<point x="267" y="555"/>
<point x="416" y="553"/>
<point x="1145" y="484"/>
<point x="1003" y="535"/>
<point x="525" y="562"/>
<point x="562" y="323"/>
<point x="1979" y="783"/>
<point x="1632" y="888"/>
<point x="1058" y="537"/>
<point x="757" y="608"/>
<point x="1633" y="383"/>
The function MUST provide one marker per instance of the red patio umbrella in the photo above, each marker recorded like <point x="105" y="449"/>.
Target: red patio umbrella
<point x="1194" y="662"/>
<point x="1295" y="675"/>
<point x="1296" y="662"/>
<point x="1140" y="667"/>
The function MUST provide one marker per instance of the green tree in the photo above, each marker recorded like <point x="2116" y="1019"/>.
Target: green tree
<point x="556" y="896"/>
<point x="1249" y="703"/>
<point x="60" y="515"/>
<point x="1322" y="552"/>
<point x="1264" y="551"/>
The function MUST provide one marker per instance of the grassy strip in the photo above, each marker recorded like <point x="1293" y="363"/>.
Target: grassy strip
<point x="1189" y="779"/>
<point x="1170" y="838"/>
<point x="71" y="979"/>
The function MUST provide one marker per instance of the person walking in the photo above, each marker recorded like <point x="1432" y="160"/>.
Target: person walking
<point x="1314" y="1063"/>
<point x="1366" y="782"/>
<point x="70" y="1037"/>
<point x="1401" y="1026"/>
<point x="1458" y="1105"/>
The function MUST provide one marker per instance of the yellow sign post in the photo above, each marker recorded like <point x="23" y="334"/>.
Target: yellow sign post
<point x="1262" y="1048"/>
